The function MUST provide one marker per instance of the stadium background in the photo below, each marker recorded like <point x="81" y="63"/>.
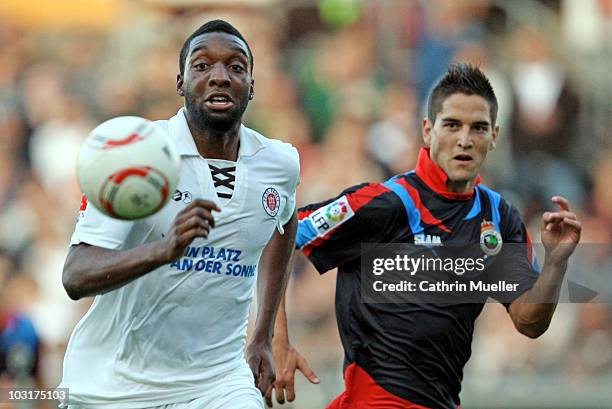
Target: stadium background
<point x="344" y="81"/>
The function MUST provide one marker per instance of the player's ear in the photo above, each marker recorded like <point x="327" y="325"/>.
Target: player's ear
<point x="252" y="90"/>
<point x="493" y="142"/>
<point x="179" y="85"/>
<point x="427" y="128"/>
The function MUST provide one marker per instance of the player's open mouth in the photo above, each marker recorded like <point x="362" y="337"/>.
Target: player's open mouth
<point x="463" y="158"/>
<point x="219" y="102"/>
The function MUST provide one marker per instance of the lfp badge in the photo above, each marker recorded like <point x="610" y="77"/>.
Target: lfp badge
<point x="337" y="211"/>
<point x="490" y="239"/>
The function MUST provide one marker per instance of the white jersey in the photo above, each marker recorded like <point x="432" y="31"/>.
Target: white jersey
<point x="162" y="337"/>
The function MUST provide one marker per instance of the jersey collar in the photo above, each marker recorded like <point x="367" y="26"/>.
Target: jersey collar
<point x="436" y="178"/>
<point x="250" y="141"/>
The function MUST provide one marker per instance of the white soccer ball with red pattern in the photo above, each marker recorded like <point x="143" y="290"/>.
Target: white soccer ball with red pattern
<point x="127" y="168"/>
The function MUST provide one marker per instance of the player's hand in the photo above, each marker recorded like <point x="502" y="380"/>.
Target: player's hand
<point x="195" y="220"/>
<point x="287" y="360"/>
<point x="259" y="358"/>
<point x="560" y="232"/>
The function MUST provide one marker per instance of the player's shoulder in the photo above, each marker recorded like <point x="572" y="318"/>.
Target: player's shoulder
<point x="374" y="195"/>
<point x="163" y="124"/>
<point x="276" y="146"/>
<point x="404" y="179"/>
<point x="284" y="154"/>
<point x="399" y="185"/>
<point x="508" y="213"/>
<point x="495" y="198"/>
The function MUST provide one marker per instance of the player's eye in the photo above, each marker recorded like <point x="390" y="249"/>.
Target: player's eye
<point x="201" y="66"/>
<point x="480" y="128"/>
<point x="237" y="68"/>
<point x="451" y="125"/>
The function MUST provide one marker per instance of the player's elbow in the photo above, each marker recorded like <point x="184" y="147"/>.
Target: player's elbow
<point x="75" y="276"/>
<point x="71" y="285"/>
<point x="529" y="321"/>
<point x="71" y="279"/>
<point x="532" y="330"/>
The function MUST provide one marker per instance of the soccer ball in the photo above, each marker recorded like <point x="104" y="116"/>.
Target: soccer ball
<point x="127" y="168"/>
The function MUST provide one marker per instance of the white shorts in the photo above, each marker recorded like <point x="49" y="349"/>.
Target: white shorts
<point x="235" y="390"/>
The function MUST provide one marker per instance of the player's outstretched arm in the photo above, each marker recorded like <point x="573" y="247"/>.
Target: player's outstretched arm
<point x="533" y="310"/>
<point x="91" y="270"/>
<point x="271" y="280"/>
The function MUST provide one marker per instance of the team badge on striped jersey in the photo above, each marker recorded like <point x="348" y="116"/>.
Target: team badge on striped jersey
<point x="490" y="239"/>
<point x="331" y="216"/>
<point x="271" y="201"/>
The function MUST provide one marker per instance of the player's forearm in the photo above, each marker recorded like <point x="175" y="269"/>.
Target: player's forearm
<point x="281" y="333"/>
<point x="269" y="298"/>
<point x="532" y="312"/>
<point x="91" y="270"/>
<point x="271" y="283"/>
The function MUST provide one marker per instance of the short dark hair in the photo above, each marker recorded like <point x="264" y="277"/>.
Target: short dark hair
<point x="213" y="26"/>
<point x="462" y="78"/>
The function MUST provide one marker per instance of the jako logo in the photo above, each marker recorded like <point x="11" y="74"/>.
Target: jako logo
<point x="185" y="196"/>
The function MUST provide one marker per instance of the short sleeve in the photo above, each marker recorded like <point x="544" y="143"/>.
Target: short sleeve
<point x="291" y="188"/>
<point x="330" y="233"/>
<point x="95" y="228"/>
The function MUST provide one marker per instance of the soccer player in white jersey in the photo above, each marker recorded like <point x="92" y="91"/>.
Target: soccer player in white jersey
<point x="167" y="328"/>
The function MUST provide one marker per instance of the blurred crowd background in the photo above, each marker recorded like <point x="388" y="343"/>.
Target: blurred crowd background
<point x="345" y="81"/>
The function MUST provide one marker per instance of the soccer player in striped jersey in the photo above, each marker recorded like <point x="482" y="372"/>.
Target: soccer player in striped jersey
<point x="411" y="355"/>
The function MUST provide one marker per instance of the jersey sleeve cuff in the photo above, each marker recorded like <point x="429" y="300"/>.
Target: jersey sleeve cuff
<point x="320" y="265"/>
<point x="95" y="240"/>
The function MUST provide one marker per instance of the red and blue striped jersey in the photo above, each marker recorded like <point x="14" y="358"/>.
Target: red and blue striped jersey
<point x="414" y="351"/>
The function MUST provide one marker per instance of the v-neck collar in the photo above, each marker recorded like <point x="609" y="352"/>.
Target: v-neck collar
<point x="250" y="142"/>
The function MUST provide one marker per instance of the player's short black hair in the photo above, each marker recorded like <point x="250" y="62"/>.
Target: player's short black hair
<point x="462" y="78"/>
<point x="213" y="26"/>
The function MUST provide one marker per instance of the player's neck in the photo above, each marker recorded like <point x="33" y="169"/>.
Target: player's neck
<point x="460" y="187"/>
<point x="215" y="144"/>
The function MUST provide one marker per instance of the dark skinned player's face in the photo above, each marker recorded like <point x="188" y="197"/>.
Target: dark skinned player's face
<point x="217" y="81"/>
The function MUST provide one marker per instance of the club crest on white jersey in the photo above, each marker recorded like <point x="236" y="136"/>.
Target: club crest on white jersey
<point x="271" y="201"/>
